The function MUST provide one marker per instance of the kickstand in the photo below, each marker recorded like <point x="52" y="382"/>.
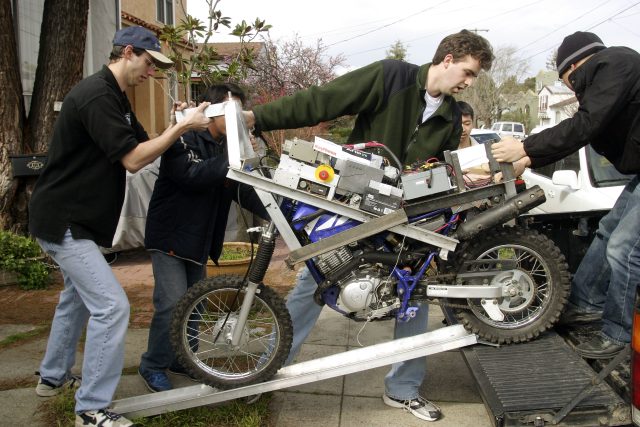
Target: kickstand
<point x="595" y="380"/>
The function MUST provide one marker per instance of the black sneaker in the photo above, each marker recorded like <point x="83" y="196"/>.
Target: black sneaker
<point x="46" y="388"/>
<point x="572" y="315"/>
<point x="418" y="407"/>
<point x="102" y="418"/>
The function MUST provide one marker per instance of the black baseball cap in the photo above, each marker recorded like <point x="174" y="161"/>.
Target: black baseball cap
<point x="142" y="38"/>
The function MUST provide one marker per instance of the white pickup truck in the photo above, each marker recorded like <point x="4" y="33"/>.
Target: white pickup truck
<point x="580" y="189"/>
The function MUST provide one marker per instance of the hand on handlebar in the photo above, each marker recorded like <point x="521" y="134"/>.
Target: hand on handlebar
<point x="508" y="149"/>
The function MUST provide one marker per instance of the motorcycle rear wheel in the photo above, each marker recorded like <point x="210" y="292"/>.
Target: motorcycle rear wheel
<point x="204" y="321"/>
<point x="542" y="283"/>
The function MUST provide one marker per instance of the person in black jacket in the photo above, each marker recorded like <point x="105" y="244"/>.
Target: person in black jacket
<point x="606" y="82"/>
<point x="185" y="225"/>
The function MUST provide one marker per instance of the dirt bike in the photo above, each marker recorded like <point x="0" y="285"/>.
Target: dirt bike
<point x="371" y="262"/>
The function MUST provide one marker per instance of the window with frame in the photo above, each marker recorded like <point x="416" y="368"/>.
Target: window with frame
<point x="544" y="102"/>
<point x="165" y="11"/>
<point x="571" y="162"/>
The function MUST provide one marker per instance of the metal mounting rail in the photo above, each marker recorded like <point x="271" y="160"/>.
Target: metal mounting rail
<point x="411" y="231"/>
<point x="360" y="359"/>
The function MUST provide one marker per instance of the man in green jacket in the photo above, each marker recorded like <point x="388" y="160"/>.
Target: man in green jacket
<point x="411" y="110"/>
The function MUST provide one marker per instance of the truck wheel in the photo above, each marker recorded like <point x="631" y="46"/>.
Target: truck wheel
<point x="541" y="285"/>
<point x="204" y="321"/>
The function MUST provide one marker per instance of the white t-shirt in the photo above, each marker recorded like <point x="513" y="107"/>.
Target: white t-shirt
<point x="432" y="105"/>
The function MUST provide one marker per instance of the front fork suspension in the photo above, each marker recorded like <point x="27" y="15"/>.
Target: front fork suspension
<point x="256" y="274"/>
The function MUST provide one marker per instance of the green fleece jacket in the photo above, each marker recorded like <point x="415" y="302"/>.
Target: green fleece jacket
<point x="388" y="98"/>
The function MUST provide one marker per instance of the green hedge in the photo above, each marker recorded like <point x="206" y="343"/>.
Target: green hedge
<point x="24" y="257"/>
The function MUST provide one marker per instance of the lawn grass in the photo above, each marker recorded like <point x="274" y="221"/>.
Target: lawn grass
<point x="58" y="411"/>
<point x="23" y="336"/>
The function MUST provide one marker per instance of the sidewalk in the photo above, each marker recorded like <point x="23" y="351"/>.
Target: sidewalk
<point x="352" y="400"/>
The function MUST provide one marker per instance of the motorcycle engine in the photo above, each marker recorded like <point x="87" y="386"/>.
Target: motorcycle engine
<point x="367" y="294"/>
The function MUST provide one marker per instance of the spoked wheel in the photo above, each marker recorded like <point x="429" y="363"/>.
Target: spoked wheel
<point x="204" y="323"/>
<point x="536" y="291"/>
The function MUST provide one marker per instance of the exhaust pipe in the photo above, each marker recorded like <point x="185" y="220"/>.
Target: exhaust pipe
<point x="508" y="210"/>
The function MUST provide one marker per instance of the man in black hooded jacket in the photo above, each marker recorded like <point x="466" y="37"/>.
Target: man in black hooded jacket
<point x="186" y="225"/>
<point x="606" y="82"/>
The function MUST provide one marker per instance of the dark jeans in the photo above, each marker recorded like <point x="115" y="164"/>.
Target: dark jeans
<point x="609" y="273"/>
<point x="173" y="276"/>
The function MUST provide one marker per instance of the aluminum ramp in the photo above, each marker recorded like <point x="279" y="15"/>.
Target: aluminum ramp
<point x="361" y="359"/>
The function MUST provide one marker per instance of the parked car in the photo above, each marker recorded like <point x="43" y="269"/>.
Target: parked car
<point x="482" y="136"/>
<point x="514" y="129"/>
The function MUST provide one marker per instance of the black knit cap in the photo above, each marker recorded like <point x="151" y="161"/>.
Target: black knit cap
<point x="575" y="47"/>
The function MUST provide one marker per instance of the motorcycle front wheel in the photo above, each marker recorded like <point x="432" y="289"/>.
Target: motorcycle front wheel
<point x="540" y="285"/>
<point x="205" y="320"/>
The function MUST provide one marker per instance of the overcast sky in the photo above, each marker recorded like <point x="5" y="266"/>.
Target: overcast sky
<point x="363" y="30"/>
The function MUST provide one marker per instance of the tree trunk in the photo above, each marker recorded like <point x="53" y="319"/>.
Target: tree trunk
<point x="60" y="63"/>
<point x="11" y="113"/>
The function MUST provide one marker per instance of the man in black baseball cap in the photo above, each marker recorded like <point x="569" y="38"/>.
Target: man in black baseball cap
<point x="606" y="81"/>
<point x="141" y="38"/>
<point x="96" y="140"/>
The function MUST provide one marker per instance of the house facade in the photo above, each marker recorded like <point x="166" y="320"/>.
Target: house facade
<point x="556" y="102"/>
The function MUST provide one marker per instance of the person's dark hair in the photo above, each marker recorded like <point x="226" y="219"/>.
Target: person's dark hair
<point x="220" y="93"/>
<point x="462" y="44"/>
<point x="118" y="51"/>
<point x="465" y="109"/>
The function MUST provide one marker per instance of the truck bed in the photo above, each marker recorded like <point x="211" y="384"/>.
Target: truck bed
<point x="527" y="384"/>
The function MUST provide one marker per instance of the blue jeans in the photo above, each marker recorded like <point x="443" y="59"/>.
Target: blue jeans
<point x="173" y="276"/>
<point x="610" y="286"/>
<point x="403" y="380"/>
<point x="91" y="293"/>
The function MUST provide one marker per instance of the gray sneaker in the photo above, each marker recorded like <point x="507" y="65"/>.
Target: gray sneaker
<point x="102" y="418"/>
<point x="47" y="389"/>
<point x="418" y="407"/>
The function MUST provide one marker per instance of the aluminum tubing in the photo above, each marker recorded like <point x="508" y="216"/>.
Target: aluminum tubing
<point x="508" y="210"/>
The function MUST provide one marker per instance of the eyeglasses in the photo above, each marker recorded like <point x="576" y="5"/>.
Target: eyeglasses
<point x="149" y="62"/>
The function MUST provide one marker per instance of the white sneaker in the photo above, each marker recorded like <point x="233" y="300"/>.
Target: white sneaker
<point x="48" y="389"/>
<point x="419" y="407"/>
<point x="102" y="418"/>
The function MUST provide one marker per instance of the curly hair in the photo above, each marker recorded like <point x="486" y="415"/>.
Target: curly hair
<point x="462" y="44"/>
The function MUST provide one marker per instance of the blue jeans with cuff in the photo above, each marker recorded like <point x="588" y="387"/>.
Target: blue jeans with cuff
<point x="91" y="294"/>
<point x="173" y="277"/>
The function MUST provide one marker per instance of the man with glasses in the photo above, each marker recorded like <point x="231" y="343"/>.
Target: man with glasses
<point x="75" y="208"/>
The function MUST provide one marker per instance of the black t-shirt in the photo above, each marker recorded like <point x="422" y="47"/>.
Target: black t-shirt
<point x="82" y="187"/>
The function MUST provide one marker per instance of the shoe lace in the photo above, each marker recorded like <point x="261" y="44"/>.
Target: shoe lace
<point x="420" y="402"/>
<point x="112" y="416"/>
<point x="73" y="380"/>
